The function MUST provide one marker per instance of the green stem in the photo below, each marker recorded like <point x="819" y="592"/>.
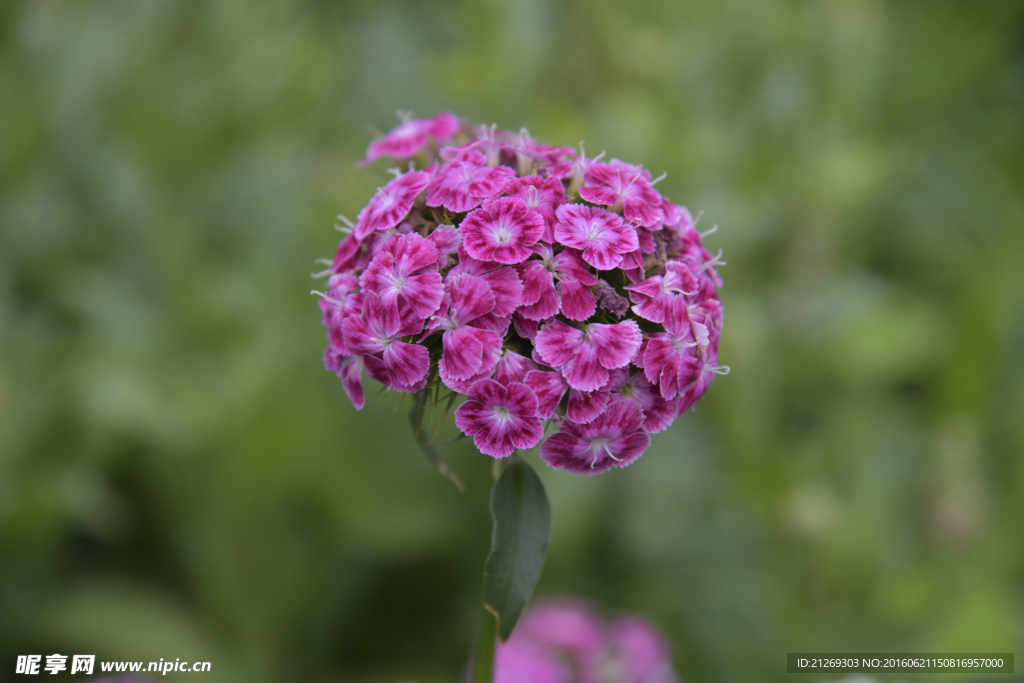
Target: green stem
<point x="483" y="663"/>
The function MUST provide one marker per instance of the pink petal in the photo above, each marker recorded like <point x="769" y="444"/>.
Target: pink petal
<point x="391" y="203"/>
<point x="549" y="388"/>
<point x="586" y="406"/>
<point x="598" y="195"/>
<point x="507" y="290"/>
<point x="444" y="125"/>
<point x="540" y="298"/>
<point x="557" y="342"/>
<point x="512" y="368"/>
<point x="468" y="351"/>
<point x="351" y="379"/>
<point x="470" y="296"/>
<point x="583" y="371"/>
<point x="616" y="344"/>
<point x="406" y="363"/>
<point x="447" y="240"/>
<point x="578" y="302"/>
<point x="569" y="264"/>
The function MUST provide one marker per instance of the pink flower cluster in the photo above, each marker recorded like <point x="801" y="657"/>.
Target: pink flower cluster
<point x="563" y="640"/>
<point x="544" y="286"/>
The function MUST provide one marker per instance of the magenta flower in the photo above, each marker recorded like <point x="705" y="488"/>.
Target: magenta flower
<point x="615" y="439"/>
<point x="503" y="230"/>
<point x="586" y="406"/>
<point x="447" y="240"/>
<point x="409" y="138"/>
<point x="468" y="350"/>
<point x="568" y="282"/>
<point x="708" y="369"/>
<point x="600" y="234"/>
<point x="670" y="361"/>
<point x="658" y="412"/>
<point x="391" y="203"/>
<point x="549" y="388"/>
<point x="500" y="418"/>
<point x="617" y="184"/>
<point x="404" y="272"/>
<point x="374" y="335"/>
<point x="585" y="356"/>
<point x="503" y="280"/>
<point x="572" y="296"/>
<point x="655" y="296"/>
<point x="543" y="195"/>
<point x="540" y="297"/>
<point x="512" y="367"/>
<point x="464" y="183"/>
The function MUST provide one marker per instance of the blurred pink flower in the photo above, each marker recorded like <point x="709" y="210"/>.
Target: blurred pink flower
<point x="409" y="138"/>
<point x="565" y="640"/>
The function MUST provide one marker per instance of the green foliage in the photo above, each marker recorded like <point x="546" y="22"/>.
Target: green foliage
<point x="179" y="477"/>
<point x="522" y="529"/>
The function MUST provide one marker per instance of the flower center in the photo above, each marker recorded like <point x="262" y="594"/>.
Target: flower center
<point x="397" y="282"/>
<point x="501" y="415"/>
<point x="600" y="447"/>
<point x="502" y="232"/>
<point x="592" y="231"/>
<point x="532" y="197"/>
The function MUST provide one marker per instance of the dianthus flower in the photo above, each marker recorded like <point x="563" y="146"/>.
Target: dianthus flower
<point x="564" y="639"/>
<point x="545" y="287"/>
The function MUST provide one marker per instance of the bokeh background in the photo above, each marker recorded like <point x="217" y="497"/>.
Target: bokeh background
<point x="179" y="477"/>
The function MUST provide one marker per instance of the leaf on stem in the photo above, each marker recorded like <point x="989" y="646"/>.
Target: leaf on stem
<point x="522" y="528"/>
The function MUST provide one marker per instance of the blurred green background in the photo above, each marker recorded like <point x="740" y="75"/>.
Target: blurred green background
<point x="179" y="477"/>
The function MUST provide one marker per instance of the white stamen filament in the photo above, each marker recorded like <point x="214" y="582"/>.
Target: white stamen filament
<point x="600" y="444"/>
<point x="716" y="260"/>
<point x="328" y="299"/>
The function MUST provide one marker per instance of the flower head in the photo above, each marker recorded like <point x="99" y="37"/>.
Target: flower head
<point x="541" y="285"/>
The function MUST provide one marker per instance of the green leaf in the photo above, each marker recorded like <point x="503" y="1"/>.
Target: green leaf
<point x="416" y="414"/>
<point x="522" y="528"/>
